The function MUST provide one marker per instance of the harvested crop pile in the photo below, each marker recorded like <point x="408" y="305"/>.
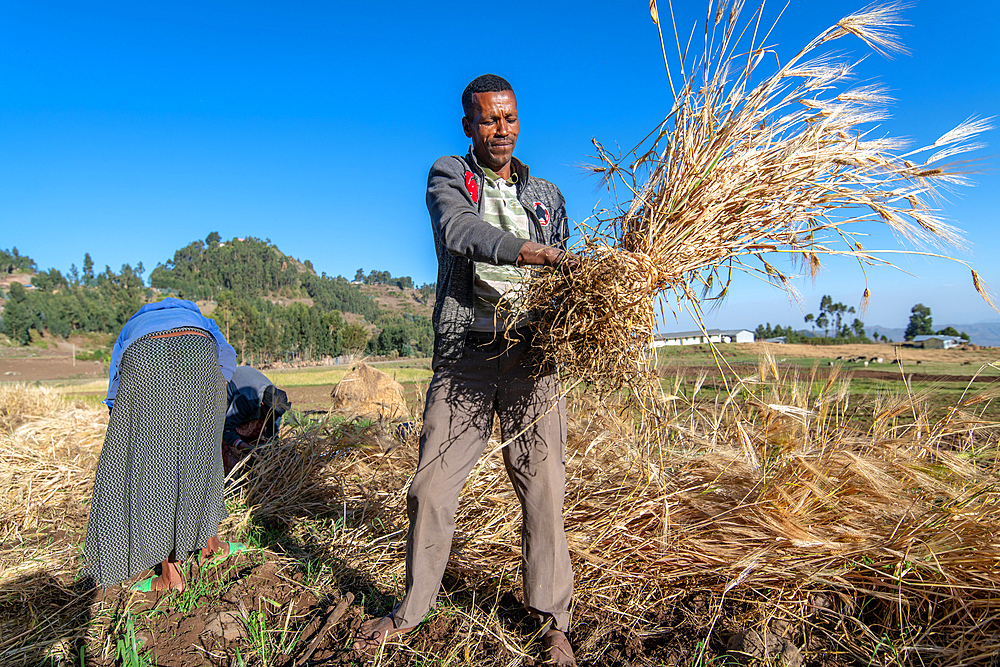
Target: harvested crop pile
<point x="368" y="392"/>
<point x="48" y="452"/>
<point x="749" y="170"/>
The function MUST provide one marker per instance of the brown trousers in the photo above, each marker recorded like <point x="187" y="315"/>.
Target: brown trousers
<point x="463" y="396"/>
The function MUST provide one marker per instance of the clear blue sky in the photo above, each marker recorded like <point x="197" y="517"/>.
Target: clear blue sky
<point x="128" y="130"/>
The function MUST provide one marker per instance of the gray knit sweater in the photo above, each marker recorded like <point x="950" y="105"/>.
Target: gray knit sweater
<point x="462" y="237"/>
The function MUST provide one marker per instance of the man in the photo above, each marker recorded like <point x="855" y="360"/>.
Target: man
<point x="254" y="414"/>
<point x="489" y="217"/>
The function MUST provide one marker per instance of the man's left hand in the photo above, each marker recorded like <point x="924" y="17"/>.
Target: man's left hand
<point x="536" y="254"/>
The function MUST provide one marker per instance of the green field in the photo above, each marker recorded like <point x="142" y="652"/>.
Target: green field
<point x="936" y="385"/>
<point x="414" y="370"/>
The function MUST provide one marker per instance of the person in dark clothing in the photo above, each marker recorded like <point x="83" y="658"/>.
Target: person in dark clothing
<point x="255" y="408"/>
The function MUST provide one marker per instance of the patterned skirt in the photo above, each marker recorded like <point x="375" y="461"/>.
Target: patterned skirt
<point x="158" y="487"/>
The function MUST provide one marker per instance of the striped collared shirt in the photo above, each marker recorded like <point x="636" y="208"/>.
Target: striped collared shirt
<point x="496" y="286"/>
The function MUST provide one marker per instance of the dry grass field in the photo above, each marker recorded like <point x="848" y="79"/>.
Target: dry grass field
<point x="831" y="526"/>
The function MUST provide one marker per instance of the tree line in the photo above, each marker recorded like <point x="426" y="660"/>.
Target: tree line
<point x="834" y="315"/>
<point x="244" y="277"/>
<point x="11" y="261"/>
<point x="376" y="277"/>
<point x="63" y="307"/>
<point x="263" y="331"/>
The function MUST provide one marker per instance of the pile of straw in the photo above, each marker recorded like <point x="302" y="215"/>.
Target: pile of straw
<point x="368" y="392"/>
<point x="769" y="501"/>
<point x="48" y="451"/>
<point x="877" y="544"/>
<point x="747" y="167"/>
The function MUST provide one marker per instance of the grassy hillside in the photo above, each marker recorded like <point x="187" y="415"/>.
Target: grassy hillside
<point x="272" y="306"/>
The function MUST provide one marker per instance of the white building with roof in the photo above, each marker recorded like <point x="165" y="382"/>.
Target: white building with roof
<point x="699" y="337"/>
<point x="936" y="342"/>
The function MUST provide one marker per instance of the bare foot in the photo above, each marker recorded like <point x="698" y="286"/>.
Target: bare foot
<point x="556" y="649"/>
<point x="171" y="578"/>
<point x="214" y="548"/>
<point x="375" y="632"/>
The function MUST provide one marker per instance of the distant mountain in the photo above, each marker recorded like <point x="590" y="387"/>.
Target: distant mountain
<point x="980" y="333"/>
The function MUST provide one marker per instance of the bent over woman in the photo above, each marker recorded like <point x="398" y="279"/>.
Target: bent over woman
<point x="158" y="486"/>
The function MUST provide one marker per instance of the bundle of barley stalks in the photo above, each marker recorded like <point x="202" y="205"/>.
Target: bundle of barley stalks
<point x="747" y="168"/>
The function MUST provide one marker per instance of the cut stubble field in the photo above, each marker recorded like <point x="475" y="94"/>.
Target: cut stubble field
<point x="839" y="520"/>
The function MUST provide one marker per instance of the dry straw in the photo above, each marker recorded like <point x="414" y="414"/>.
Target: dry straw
<point x="747" y="170"/>
<point x="770" y="504"/>
<point x="48" y="450"/>
<point x="368" y="392"/>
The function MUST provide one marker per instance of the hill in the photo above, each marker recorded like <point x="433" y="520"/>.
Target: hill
<point x="246" y="267"/>
<point x="270" y="305"/>
<point x="251" y="268"/>
<point x="394" y="299"/>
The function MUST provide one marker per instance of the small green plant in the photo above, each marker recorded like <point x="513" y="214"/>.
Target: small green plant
<point x="268" y="643"/>
<point x="256" y="626"/>
<point x="197" y="589"/>
<point x="129" y="654"/>
<point x="257" y="536"/>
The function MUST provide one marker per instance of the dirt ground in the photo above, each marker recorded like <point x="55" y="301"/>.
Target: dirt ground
<point x="394" y="299"/>
<point x="887" y="352"/>
<point x="30" y="364"/>
<point x="310" y="398"/>
<point x="6" y="280"/>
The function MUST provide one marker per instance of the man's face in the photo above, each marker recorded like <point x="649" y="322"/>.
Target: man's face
<point x="493" y="130"/>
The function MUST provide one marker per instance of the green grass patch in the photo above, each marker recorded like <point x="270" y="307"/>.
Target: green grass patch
<point x="268" y="643"/>
<point x="80" y="388"/>
<point x="93" y="400"/>
<point x="203" y="589"/>
<point x="701" y="355"/>
<point x="130" y="653"/>
<point x="100" y="354"/>
<point x="310" y="377"/>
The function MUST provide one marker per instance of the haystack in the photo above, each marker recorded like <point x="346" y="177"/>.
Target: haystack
<point x="368" y="392"/>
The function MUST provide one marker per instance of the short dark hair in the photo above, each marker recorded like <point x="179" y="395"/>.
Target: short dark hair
<point x="486" y="83"/>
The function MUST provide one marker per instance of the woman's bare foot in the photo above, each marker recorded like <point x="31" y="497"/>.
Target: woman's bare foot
<point x="214" y="548"/>
<point x="170" y="578"/>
